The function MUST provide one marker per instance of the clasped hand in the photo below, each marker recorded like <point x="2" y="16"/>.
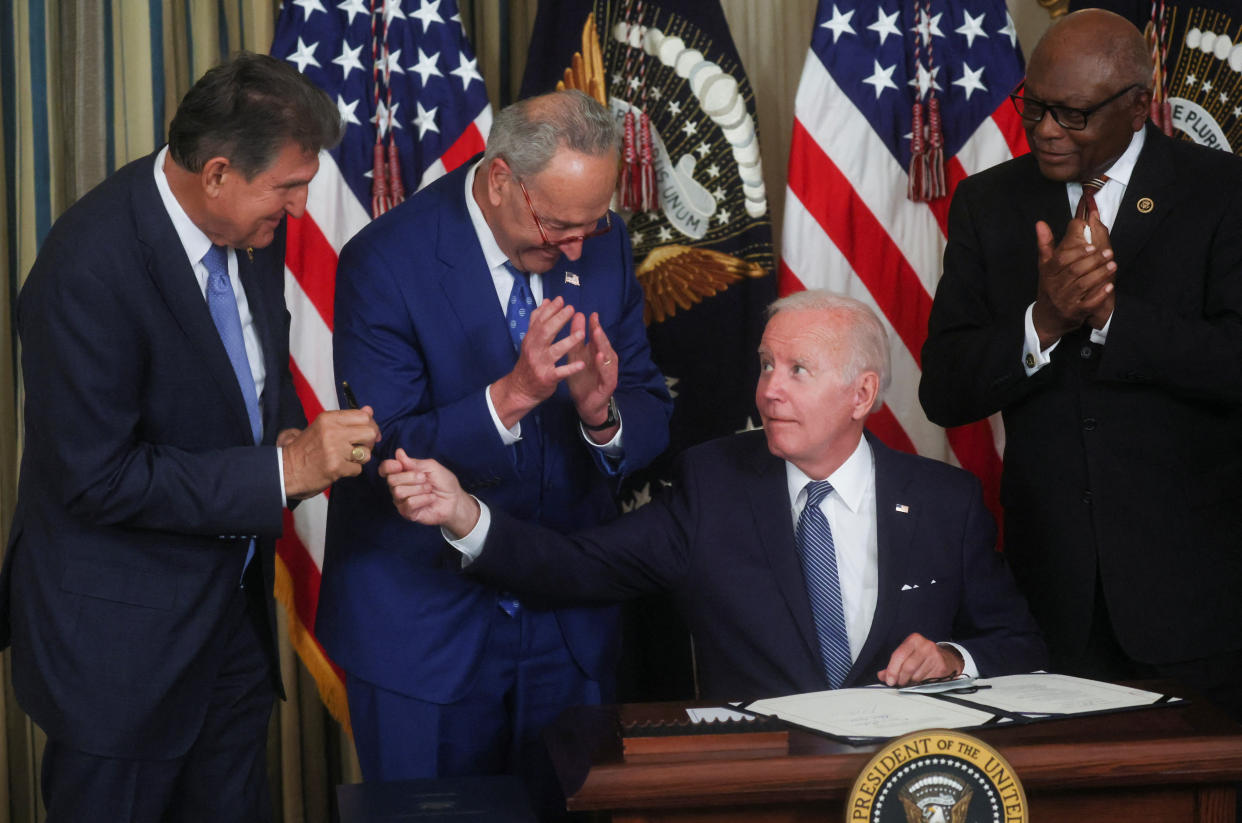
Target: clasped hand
<point x="590" y="365"/>
<point x="1076" y="280"/>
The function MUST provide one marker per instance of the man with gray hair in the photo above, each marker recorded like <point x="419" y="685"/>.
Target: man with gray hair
<point x="804" y="557"/>
<point x="494" y="323"/>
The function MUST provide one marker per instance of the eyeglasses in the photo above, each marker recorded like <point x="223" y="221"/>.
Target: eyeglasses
<point x="1067" y="117"/>
<point x="601" y="227"/>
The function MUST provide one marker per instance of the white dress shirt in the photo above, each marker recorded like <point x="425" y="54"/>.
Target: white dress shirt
<point x="850" y="511"/>
<point x="502" y="279"/>
<point x="1108" y="203"/>
<point x="196" y="244"/>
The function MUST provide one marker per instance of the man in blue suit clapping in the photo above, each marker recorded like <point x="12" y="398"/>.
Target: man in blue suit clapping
<point x="494" y="323"/>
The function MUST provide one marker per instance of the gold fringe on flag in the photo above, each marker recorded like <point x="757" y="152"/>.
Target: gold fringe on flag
<point x="331" y="689"/>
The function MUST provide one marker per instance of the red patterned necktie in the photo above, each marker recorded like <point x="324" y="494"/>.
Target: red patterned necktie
<point x="1086" y="203"/>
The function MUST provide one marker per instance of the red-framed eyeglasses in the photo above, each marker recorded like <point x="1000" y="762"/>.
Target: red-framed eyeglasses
<point x="602" y="226"/>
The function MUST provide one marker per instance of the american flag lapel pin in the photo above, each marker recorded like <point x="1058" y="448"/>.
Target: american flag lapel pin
<point x="571" y="279"/>
<point x="902" y="508"/>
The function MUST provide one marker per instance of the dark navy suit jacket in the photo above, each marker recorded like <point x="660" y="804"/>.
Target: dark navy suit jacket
<point x="419" y="334"/>
<point x="721" y="539"/>
<point x="140" y="482"/>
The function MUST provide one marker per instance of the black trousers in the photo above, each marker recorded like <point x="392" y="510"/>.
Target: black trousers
<point x="223" y="777"/>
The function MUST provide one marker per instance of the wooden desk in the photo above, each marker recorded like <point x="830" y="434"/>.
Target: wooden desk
<point x="1162" y="765"/>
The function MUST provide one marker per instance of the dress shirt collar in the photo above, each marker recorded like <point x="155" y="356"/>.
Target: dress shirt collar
<point x="850" y="481"/>
<point x="1124" y="165"/>
<point x="1121" y="169"/>
<point x="193" y="240"/>
<point x="492" y="252"/>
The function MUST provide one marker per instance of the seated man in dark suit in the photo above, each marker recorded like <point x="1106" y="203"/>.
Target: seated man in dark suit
<point x="894" y="553"/>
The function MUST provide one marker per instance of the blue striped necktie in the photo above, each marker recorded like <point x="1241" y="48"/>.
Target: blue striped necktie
<point x="823" y="584"/>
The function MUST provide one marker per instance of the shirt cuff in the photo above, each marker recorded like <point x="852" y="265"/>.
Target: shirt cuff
<point x="507" y="436"/>
<point x="1033" y="358"/>
<point x="471" y="546"/>
<point x="968" y="663"/>
<point x="613" y="447"/>
<point x="1100" y="336"/>
<point x="280" y="468"/>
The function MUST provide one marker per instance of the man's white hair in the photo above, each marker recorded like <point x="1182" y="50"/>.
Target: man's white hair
<point x="859" y="331"/>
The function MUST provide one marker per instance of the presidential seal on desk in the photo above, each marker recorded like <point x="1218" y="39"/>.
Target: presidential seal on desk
<point x="937" y="776"/>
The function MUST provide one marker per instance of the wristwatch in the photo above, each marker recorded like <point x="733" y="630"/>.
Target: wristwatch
<point x="613" y="418"/>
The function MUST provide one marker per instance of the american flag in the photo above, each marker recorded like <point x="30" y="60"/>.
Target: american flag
<point x="409" y="77"/>
<point x="849" y="225"/>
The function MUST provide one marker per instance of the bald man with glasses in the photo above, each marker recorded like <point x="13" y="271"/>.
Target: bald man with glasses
<point x="1092" y="294"/>
<point x="493" y="322"/>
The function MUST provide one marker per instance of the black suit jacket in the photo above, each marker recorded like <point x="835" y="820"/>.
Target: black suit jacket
<point x="722" y="541"/>
<point x="1127" y="457"/>
<point x="140" y="482"/>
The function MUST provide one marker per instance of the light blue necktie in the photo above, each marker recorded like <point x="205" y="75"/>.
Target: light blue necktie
<point x="521" y="304"/>
<point x="222" y="304"/>
<point x="823" y="584"/>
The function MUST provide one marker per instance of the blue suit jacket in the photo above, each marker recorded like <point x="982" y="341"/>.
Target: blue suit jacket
<point x="419" y="334"/>
<point x="722" y="541"/>
<point x="140" y="482"/>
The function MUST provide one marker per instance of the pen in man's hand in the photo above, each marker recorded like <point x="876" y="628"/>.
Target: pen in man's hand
<point x="349" y="395"/>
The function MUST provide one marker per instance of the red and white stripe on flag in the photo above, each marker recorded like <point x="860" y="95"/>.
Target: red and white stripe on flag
<point x="422" y="94"/>
<point x="849" y="225"/>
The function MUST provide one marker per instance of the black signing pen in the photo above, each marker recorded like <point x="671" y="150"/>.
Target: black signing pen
<point x="349" y="395"/>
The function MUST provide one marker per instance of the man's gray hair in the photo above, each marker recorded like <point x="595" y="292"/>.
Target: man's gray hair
<point x="862" y="334"/>
<point x="529" y="132"/>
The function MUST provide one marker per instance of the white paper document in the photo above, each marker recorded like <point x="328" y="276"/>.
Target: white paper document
<point x="1060" y="694"/>
<point x="883" y="713"/>
<point x="869" y="712"/>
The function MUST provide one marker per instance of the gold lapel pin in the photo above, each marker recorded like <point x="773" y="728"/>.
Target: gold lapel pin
<point x="1145" y="205"/>
<point x="250" y="253"/>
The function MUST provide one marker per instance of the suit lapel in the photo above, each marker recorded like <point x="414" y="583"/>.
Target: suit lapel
<point x="894" y="536"/>
<point x="467" y="280"/>
<point x="1152" y="183"/>
<point x="769" y="501"/>
<point x="174" y="278"/>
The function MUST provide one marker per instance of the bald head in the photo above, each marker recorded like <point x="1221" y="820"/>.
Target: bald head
<point x="1108" y="40"/>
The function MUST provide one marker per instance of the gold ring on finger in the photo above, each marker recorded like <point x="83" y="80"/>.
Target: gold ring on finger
<point x="358" y="454"/>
